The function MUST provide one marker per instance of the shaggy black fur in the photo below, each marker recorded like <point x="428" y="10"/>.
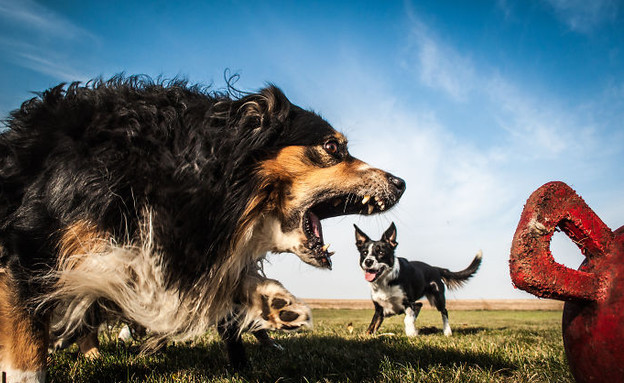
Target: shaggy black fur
<point x="200" y="181"/>
<point x="105" y="150"/>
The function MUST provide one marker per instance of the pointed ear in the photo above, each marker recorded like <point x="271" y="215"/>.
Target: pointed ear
<point x="390" y="235"/>
<point x="360" y="237"/>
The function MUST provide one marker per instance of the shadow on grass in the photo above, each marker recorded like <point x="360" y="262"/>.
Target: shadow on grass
<point x="330" y="358"/>
<point x="432" y="330"/>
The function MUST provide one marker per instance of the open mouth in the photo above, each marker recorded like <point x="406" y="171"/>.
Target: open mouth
<point x="372" y="275"/>
<point x="334" y="207"/>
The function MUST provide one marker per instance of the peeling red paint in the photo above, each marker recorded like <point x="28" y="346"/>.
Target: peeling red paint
<point x="593" y="316"/>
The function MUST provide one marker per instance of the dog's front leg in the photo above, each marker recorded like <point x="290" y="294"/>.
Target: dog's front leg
<point x="378" y="318"/>
<point x="263" y="304"/>
<point x="89" y="345"/>
<point x="231" y="334"/>
<point x="270" y="306"/>
<point x="265" y="339"/>
<point x="411" y="313"/>
<point x="23" y="338"/>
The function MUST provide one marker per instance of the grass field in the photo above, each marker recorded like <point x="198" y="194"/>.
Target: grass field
<point x="487" y="346"/>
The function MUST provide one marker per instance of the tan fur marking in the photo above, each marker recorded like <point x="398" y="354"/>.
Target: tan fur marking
<point x="23" y="343"/>
<point x="291" y="164"/>
<point x="292" y="167"/>
<point x="82" y="237"/>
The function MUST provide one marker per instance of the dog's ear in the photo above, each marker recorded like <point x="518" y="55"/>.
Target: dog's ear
<point x="360" y="237"/>
<point x="390" y="236"/>
<point x="270" y="104"/>
<point x="277" y="105"/>
<point x="260" y="118"/>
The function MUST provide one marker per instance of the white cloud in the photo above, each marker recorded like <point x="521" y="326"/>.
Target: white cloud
<point x="537" y="126"/>
<point x="448" y="72"/>
<point x="455" y="203"/>
<point x="464" y="193"/>
<point x="39" y="39"/>
<point x="438" y="66"/>
<point x="31" y="16"/>
<point x="538" y="129"/>
<point x="584" y="16"/>
<point x="54" y="67"/>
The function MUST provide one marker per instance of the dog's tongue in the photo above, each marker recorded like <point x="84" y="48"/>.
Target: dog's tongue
<point x="369" y="276"/>
<point x="316" y="226"/>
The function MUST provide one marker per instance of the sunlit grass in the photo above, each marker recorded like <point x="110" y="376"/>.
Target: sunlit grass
<point x="487" y="346"/>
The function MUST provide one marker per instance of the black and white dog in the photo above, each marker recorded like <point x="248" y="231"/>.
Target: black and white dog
<point x="397" y="284"/>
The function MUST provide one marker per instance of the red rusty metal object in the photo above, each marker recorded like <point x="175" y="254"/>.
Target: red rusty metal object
<point x="593" y="316"/>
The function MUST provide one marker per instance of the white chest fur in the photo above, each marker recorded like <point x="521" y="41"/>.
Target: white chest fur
<point x="390" y="298"/>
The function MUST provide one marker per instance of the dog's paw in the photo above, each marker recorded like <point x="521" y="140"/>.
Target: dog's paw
<point x="411" y="332"/>
<point x="271" y="343"/>
<point x="88" y="345"/>
<point x="265" y="339"/>
<point x="278" y="309"/>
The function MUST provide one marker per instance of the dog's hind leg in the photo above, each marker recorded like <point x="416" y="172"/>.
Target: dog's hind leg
<point x="437" y="299"/>
<point x="23" y="338"/>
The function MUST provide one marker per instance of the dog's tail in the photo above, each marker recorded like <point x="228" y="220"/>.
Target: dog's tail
<point x="455" y="280"/>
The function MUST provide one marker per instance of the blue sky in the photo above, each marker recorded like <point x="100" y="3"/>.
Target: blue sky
<point x="475" y="106"/>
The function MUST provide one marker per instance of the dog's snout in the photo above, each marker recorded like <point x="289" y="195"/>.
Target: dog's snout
<point x="368" y="262"/>
<point x="398" y="183"/>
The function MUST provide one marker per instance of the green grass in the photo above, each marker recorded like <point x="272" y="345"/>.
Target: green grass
<point x="486" y="346"/>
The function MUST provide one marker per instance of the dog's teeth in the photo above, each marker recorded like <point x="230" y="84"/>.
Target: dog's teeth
<point x="370" y="209"/>
<point x="365" y="199"/>
<point x="337" y="202"/>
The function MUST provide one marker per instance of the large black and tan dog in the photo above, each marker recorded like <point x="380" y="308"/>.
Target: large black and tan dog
<point x="155" y="201"/>
<point x="397" y="284"/>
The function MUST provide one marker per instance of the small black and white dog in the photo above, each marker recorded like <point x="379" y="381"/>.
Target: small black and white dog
<point x="397" y="284"/>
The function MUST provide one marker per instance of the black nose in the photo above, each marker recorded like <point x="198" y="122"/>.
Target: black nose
<point x="368" y="262"/>
<point x="398" y="183"/>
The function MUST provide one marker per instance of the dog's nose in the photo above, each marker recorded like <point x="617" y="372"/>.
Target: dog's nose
<point x="368" y="262"/>
<point x="398" y="183"/>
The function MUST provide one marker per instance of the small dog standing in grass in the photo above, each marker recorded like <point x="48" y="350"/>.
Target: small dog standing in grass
<point x="397" y="284"/>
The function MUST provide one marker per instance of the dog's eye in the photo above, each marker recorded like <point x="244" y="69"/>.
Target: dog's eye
<point x="365" y="252"/>
<point x="331" y="146"/>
